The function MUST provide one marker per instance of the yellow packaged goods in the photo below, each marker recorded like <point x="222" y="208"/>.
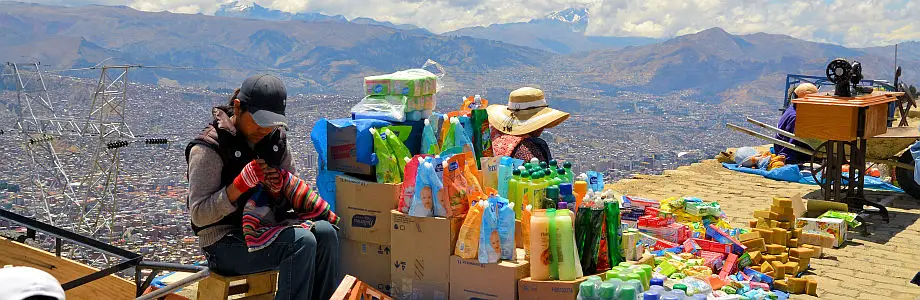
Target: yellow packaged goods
<point x="756" y="257"/>
<point x="749" y="236"/>
<point x="796" y="285"/>
<point x="765" y="233"/>
<point x="775" y="249"/>
<point x="793" y="243"/>
<point x="780" y="236"/>
<point x="468" y="239"/>
<point x="755" y="245"/>
<point x="811" y="286"/>
<point x="782" y="202"/>
<point x="818" y="251"/>
<point x="765" y="214"/>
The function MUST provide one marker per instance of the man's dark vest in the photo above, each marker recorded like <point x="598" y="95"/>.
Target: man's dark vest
<point x="235" y="153"/>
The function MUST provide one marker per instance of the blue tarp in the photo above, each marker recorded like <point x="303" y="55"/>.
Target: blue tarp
<point x="791" y="173"/>
<point x="325" y="179"/>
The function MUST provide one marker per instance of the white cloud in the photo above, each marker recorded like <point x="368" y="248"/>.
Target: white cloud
<point x="847" y="22"/>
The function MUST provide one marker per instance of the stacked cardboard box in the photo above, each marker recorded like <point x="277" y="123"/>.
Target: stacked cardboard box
<point x="420" y="255"/>
<point x="364" y="211"/>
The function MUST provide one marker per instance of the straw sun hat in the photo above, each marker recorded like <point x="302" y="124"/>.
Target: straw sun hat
<point x="526" y="112"/>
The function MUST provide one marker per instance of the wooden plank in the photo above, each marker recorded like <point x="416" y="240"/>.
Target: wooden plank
<point x="262" y="283"/>
<point x="65" y="270"/>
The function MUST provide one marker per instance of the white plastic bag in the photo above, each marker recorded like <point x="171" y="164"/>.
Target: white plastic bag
<point x="388" y="108"/>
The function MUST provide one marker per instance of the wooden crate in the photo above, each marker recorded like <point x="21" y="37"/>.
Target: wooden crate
<point x="836" y="118"/>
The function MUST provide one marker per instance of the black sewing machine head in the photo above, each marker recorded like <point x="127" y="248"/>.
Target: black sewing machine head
<point x="846" y="78"/>
<point x="271" y="148"/>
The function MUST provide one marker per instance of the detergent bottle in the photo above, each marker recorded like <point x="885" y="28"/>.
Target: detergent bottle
<point x="568" y="172"/>
<point x="504" y="175"/>
<point x="538" y="191"/>
<point x="565" y="238"/>
<point x="513" y="193"/>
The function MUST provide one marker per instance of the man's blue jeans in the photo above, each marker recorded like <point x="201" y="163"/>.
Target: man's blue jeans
<point x="307" y="260"/>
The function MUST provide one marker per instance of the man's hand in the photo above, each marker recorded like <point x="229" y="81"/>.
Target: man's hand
<point x="272" y="177"/>
<point x="251" y="175"/>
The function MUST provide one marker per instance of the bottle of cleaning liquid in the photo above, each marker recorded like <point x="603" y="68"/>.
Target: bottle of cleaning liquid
<point x="552" y="196"/>
<point x="553" y="244"/>
<point x="512" y="193"/>
<point x="580" y="188"/>
<point x="586" y="291"/>
<point x="651" y="295"/>
<point x="523" y="189"/>
<point x="568" y="171"/>
<point x="561" y="176"/>
<point x="565" y="193"/>
<point x="553" y="165"/>
<point x="538" y="191"/>
<point x="504" y="175"/>
<point x="539" y="245"/>
<point x="566" y="238"/>
<point x="612" y="211"/>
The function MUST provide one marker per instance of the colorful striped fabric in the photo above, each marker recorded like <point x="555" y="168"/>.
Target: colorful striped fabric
<point x="305" y="201"/>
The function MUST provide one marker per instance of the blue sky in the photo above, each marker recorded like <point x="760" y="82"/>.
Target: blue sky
<point x="854" y="23"/>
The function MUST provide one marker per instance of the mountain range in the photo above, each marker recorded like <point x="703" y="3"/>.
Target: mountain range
<point x="329" y="54"/>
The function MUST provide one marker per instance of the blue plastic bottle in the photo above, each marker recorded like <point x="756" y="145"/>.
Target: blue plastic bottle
<point x="566" y="195"/>
<point x="504" y="175"/>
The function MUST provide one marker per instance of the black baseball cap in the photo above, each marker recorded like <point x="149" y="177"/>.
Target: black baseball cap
<point x="264" y="97"/>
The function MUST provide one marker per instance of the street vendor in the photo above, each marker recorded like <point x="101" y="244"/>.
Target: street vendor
<point x="787" y="123"/>
<point x="516" y="127"/>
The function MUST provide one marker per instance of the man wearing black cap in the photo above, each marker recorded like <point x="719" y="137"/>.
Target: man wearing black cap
<point x="225" y="170"/>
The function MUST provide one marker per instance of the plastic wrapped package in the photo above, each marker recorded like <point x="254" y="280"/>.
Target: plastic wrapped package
<point x="388" y="108"/>
<point x="489" y="239"/>
<point x="468" y="238"/>
<point x="387" y="168"/>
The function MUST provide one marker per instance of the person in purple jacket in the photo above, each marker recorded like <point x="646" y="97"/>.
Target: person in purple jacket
<point x="787" y="123"/>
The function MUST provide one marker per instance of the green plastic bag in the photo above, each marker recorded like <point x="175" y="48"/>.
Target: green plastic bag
<point x="387" y="168"/>
<point x="398" y="148"/>
<point x="482" y="139"/>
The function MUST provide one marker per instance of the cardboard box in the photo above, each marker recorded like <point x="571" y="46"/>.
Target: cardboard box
<point x="368" y="262"/>
<point x="472" y="280"/>
<point x="364" y="208"/>
<point x="824" y="226"/>
<point x="420" y="255"/>
<point x="549" y="290"/>
<point x="342" y="151"/>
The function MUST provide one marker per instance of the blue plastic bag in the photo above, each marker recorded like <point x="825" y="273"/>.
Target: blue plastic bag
<point x="429" y="140"/>
<point x="427" y="186"/>
<point x="506" y="228"/>
<point x="595" y="181"/>
<point x="489" y="238"/>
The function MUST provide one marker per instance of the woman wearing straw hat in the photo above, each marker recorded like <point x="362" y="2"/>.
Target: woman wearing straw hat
<point x="516" y="127"/>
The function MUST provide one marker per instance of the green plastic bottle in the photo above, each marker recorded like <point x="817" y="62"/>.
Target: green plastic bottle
<point x="608" y="291"/>
<point x="512" y="193"/>
<point x="538" y="191"/>
<point x="612" y="212"/>
<point x="543" y="165"/>
<point x="568" y="172"/>
<point x="553" y="244"/>
<point x="553" y="166"/>
<point x="523" y="190"/>
<point x="566" y="240"/>
<point x="552" y="197"/>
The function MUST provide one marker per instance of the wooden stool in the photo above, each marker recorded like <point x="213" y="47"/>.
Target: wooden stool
<point x="353" y="289"/>
<point x="252" y="286"/>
